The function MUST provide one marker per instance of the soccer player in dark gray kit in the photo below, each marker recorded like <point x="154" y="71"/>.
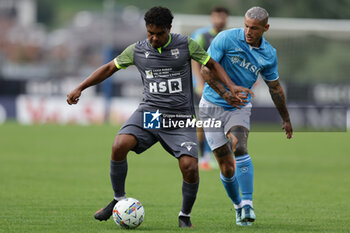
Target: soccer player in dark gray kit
<point x="164" y="62"/>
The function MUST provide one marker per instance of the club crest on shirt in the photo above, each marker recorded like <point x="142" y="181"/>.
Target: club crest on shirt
<point x="175" y="52"/>
<point x="235" y="59"/>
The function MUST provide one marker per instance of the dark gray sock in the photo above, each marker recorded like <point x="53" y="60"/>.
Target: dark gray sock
<point x="189" y="193"/>
<point x="118" y="173"/>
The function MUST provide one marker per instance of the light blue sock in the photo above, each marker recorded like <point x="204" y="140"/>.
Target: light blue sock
<point x="232" y="188"/>
<point x="245" y="175"/>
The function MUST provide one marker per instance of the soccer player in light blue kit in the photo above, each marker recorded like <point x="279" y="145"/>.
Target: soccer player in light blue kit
<point x="245" y="55"/>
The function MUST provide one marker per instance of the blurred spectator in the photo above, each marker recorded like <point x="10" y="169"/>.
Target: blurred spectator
<point x="31" y="52"/>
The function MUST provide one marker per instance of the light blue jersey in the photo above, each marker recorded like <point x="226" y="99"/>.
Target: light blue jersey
<point x="242" y="62"/>
<point x="200" y="31"/>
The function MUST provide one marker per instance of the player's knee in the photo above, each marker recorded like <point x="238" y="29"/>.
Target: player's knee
<point x="228" y="170"/>
<point x="121" y="147"/>
<point x="189" y="168"/>
<point x="233" y="141"/>
<point x="223" y="151"/>
<point x="117" y="146"/>
<point x="118" y="152"/>
<point x="240" y="150"/>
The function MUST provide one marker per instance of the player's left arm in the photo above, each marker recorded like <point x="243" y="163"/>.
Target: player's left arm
<point x="279" y="99"/>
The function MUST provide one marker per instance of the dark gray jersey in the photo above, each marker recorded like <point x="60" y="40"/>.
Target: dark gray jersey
<point x="205" y="39"/>
<point x="165" y="72"/>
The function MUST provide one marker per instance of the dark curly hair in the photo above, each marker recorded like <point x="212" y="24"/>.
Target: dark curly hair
<point x="220" y="9"/>
<point x="159" y="16"/>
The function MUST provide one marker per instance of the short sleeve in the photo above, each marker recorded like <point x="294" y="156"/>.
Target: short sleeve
<point x="200" y="40"/>
<point x="270" y="73"/>
<point x="126" y="58"/>
<point x="216" y="49"/>
<point x="197" y="53"/>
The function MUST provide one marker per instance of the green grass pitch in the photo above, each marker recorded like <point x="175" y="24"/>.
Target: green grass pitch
<point x="53" y="179"/>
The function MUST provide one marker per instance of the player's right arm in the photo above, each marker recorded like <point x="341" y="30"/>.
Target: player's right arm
<point x="125" y="59"/>
<point x="96" y="77"/>
<point x="279" y="99"/>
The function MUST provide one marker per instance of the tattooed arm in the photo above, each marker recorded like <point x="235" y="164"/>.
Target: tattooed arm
<point x="279" y="99"/>
<point x="236" y="99"/>
<point x="217" y="72"/>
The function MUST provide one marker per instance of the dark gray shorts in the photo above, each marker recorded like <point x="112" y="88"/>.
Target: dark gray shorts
<point x="178" y="141"/>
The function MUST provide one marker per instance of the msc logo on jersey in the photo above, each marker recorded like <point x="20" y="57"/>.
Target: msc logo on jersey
<point x="151" y="120"/>
<point x="242" y="62"/>
<point x="175" y="52"/>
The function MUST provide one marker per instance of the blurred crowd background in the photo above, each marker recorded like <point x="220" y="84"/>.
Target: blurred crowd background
<point x="47" y="47"/>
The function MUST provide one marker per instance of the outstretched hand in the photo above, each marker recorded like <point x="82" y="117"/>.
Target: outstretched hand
<point x="287" y="126"/>
<point x="73" y="96"/>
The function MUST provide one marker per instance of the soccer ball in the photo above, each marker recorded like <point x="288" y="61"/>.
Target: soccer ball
<point x="128" y="213"/>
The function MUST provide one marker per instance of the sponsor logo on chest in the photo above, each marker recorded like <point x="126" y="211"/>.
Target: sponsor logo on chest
<point x="242" y="62"/>
<point x="164" y="80"/>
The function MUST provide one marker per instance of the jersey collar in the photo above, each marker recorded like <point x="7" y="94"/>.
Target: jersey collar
<point x="167" y="43"/>
<point x="242" y="38"/>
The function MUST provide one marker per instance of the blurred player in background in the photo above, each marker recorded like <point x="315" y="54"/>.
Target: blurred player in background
<point x="164" y="62"/>
<point x="204" y="37"/>
<point x="245" y="55"/>
<point x="218" y="18"/>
